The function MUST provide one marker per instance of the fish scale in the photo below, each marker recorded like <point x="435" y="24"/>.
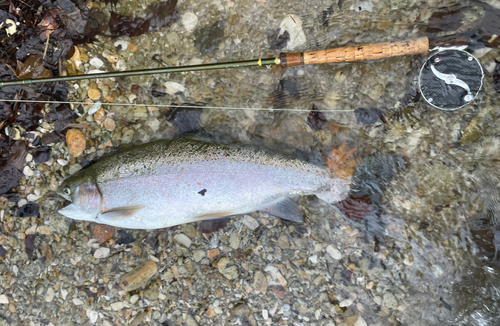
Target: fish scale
<point x="171" y="182"/>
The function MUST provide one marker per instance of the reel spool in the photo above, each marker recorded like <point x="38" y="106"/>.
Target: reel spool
<point x="450" y="79"/>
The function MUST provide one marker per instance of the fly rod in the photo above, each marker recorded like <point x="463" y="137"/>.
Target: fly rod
<point x="335" y="55"/>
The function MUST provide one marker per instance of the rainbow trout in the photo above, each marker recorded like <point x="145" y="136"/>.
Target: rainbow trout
<point x="171" y="182"/>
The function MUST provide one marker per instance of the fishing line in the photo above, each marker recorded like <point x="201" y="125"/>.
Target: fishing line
<point x="175" y="106"/>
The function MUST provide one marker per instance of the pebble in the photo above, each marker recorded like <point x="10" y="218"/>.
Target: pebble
<point x="198" y="255"/>
<point x="122" y="43"/>
<point x="29" y="157"/>
<point x="212" y="253"/>
<point x="95" y="107"/>
<point x="134" y="299"/>
<point x="360" y="322"/>
<point x="62" y="162"/>
<point x="283" y="242"/>
<point x="250" y="222"/>
<point x="27" y="171"/>
<point x="127" y="136"/>
<point x="112" y="58"/>
<point x="173" y="87"/>
<point x="345" y="303"/>
<point x="77" y="302"/>
<point x="234" y="240"/>
<point x="49" y="295"/>
<point x="22" y="202"/>
<point x="4" y="299"/>
<point x="265" y="314"/>
<point x="190" y="321"/>
<point x="293" y="25"/>
<point x="32" y="197"/>
<point x="101" y="253"/>
<point x="183" y="240"/>
<point x="103" y="233"/>
<point x="189" y="21"/>
<point x="93" y="315"/>
<point x="333" y="252"/>
<point x="139" y="276"/>
<point x="117" y="306"/>
<point x="96" y="62"/>
<point x="389" y="301"/>
<point x="76" y="142"/>
<point x="132" y="48"/>
<point x="230" y="272"/>
<point x="313" y="259"/>
<point x="94" y="94"/>
<point x="109" y="124"/>
<point x="259" y="282"/>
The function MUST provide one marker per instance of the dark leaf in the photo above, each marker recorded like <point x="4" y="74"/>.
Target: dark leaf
<point x="28" y="210"/>
<point x="185" y="119"/>
<point x="17" y="155"/>
<point x="325" y="16"/>
<point x="29" y="115"/>
<point x="277" y="41"/>
<point x="496" y="77"/>
<point x="3" y="252"/>
<point x="155" y="93"/>
<point x="444" y="21"/>
<point x="50" y="138"/>
<point x="74" y="22"/>
<point x="41" y="154"/>
<point x="161" y="14"/>
<point x="120" y="25"/>
<point x="356" y="208"/>
<point x="286" y="89"/>
<point x="29" y="242"/>
<point x="211" y="226"/>
<point x="97" y="23"/>
<point x="63" y="116"/>
<point x="316" y="119"/>
<point x="207" y="39"/>
<point x="489" y="27"/>
<point x="66" y="5"/>
<point x="48" y="24"/>
<point x="369" y="116"/>
<point x="124" y="237"/>
<point x="9" y="178"/>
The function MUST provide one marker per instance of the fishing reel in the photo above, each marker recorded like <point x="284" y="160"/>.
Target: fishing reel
<point x="450" y="79"/>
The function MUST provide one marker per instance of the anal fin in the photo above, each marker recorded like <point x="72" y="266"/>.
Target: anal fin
<point x="285" y="208"/>
<point x="119" y="213"/>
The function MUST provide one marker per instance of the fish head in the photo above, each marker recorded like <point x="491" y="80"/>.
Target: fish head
<point x="83" y="193"/>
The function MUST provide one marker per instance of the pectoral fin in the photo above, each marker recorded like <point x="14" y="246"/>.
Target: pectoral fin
<point x="119" y="213"/>
<point x="284" y="208"/>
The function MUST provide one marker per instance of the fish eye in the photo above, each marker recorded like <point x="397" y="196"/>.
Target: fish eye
<point x="67" y="191"/>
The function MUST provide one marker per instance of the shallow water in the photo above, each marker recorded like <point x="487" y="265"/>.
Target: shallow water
<point x="424" y="252"/>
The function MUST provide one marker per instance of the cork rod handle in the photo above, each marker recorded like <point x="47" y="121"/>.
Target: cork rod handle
<point x="356" y="53"/>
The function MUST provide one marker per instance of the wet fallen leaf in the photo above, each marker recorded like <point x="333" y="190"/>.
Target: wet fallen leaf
<point x="341" y="163"/>
<point x="120" y="25"/>
<point x="316" y="119"/>
<point x="29" y="242"/>
<point x="32" y="68"/>
<point x="139" y="276"/>
<point x="496" y="77"/>
<point x="48" y="24"/>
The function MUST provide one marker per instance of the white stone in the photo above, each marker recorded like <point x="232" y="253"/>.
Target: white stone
<point x="154" y="125"/>
<point x="29" y="157"/>
<point x="62" y="162"/>
<point x="22" y="202"/>
<point x="133" y="299"/>
<point x="183" y="240"/>
<point x="49" y="295"/>
<point x="265" y="314"/>
<point x="32" y="197"/>
<point x="93" y="315"/>
<point x="293" y="25"/>
<point x="97" y="105"/>
<point x="333" y="252"/>
<point x="360" y="322"/>
<point x="4" y="299"/>
<point x="28" y="171"/>
<point x="313" y="259"/>
<point x="10" y="26"/>
<point x="117" y="306"/>
<point x="189" y="21"/>
<point x="102" y="253"/>
<point x="64" y="293"/>
<point x="77" y="302"/>
<point x="250" y="222"/>
<point x="96" y="62"/>
<point x="345" y="303"/>
<point x="173" y="87"/>
<point x="122" y="43"/>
